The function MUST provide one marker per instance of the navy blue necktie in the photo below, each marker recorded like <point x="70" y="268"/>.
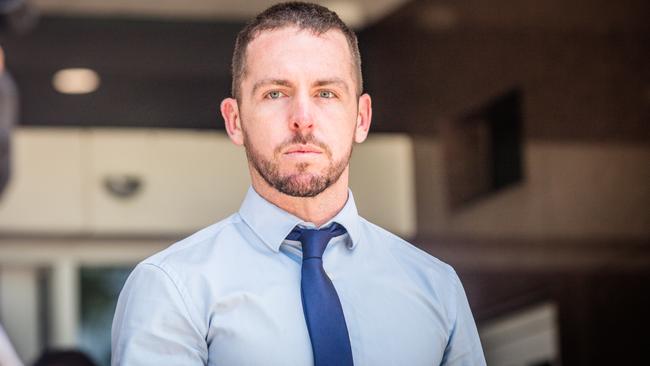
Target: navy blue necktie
<point x="328" y="332"/>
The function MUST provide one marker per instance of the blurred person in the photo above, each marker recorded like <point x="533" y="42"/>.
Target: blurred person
<point x="8" y="116"/>
<point x="63" y="357"/>
<point x="296" y="277"/>
<point x="8" y="356"/>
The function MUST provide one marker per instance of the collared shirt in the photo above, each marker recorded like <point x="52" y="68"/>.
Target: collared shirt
<point x="230" y="295"/>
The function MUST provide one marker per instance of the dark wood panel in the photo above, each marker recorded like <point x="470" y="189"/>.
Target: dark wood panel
<point x="576" y="86"/>
<point x="603" y="318"/>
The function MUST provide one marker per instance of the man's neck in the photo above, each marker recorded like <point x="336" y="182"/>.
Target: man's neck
<point x="317" y="210"/>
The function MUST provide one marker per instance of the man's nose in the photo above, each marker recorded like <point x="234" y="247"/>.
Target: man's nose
<point x="301" y="116"/>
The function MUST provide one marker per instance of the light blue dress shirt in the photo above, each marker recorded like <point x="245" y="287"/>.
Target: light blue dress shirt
<point x="230" y="295"/>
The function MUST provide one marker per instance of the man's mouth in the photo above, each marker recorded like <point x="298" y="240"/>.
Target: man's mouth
<point x="302" y="149"/>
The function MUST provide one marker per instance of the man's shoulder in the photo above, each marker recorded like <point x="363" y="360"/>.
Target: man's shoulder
<point x="196" y="246"/>
<point x="405" y="253"/>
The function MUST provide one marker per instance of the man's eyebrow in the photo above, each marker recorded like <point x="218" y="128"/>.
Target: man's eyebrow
<point x="263" y="82"/>
<point x="333" y="81"/>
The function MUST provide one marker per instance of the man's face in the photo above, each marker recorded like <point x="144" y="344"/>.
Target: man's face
<point x="298" y="109"/>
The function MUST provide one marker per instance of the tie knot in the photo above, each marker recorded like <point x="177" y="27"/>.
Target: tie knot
<point x="315" y="241"/>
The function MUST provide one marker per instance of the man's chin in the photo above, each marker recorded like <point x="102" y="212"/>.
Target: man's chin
<point x="302" y="185"/>
<point x="304" y="173"/>
<point x="302" y="179"/>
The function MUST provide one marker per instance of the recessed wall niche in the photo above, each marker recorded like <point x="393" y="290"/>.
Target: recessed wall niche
<point x="483" y="149"/>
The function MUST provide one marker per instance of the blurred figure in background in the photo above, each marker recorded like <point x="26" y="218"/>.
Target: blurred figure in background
<point x="16" y="17"/>
<point x="8" y="117"/>
<point x="8" y="112"/>
<point x="8" y="356"/>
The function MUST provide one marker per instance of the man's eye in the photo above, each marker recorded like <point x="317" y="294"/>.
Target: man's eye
<point x="326" y="94"/>
<point x="274" y="94"/>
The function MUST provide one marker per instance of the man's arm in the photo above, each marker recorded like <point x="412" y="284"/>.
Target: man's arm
<point x="152" y="323"/>
<point x="464" y="346"/>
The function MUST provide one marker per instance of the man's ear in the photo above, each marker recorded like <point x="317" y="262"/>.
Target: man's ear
<point x="230" y="113"/>
<point x="364" y="118"/>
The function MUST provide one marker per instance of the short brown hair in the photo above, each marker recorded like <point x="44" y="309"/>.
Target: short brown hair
<point x="313" y="17"/>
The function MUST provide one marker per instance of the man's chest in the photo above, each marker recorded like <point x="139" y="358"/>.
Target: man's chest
<point x="390" y="321"/>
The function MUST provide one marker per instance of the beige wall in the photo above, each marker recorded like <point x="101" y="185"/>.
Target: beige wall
<point x="189" y="179"/>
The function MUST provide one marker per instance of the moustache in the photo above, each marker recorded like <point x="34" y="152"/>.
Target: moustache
<point x="300" y="139"/>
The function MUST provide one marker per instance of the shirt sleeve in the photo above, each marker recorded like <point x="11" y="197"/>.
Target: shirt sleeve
<point x="152" y="323"/>
<point x="464" y="346"/>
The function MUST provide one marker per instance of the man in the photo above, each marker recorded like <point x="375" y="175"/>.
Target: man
<point x="264" y="286"/>
<point x="8" y="117"/>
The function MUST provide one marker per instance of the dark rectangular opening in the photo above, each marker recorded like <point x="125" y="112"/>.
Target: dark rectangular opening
<point x="483" y="149"/>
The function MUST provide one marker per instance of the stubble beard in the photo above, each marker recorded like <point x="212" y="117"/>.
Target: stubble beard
<point x="301" y="183"/>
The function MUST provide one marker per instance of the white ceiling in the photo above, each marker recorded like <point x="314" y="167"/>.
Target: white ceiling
<point x="355" y="13"/>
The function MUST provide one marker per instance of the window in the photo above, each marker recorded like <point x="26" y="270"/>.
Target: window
<point x="483" y="150"/>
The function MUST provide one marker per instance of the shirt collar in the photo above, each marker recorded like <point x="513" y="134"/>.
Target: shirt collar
<point x="272" y="224"/>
